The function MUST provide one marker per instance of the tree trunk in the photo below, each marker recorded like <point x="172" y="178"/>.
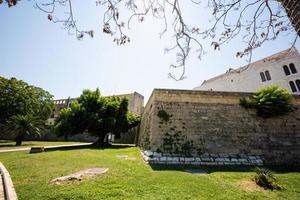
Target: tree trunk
<point x="19" y="139"/>
<point x="100" y="143"/>
<point x="66" y="137"/>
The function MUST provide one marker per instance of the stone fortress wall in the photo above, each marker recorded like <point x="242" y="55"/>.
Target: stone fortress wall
<point x="215" y="129"/>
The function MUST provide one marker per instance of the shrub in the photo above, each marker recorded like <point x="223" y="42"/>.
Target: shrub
<point x="266" y="179"/>
<point x="270" y="101"/>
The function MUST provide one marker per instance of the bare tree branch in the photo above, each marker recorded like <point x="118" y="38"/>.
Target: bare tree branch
<point x="255" y="21"/>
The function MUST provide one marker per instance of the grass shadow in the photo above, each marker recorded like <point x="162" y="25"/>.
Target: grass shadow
<point x="11" y="143"/>
<point x="66" y="148"/>
<point x="88" y="146"/>
<point x="229" y="168"/>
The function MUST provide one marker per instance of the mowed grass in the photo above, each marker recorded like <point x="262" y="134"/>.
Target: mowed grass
<point x="8" y="144"/>
<point x="131" y="179"/>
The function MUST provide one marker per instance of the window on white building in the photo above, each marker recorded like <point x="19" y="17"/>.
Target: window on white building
<point x="262" y="76"/>
<point x="286" y="70"/>
<point x="298" y="84"/>
<point x="293" y="86"/>
<point x="293" y="68"/>
<point x="265" y="76"/>
<point x="268" y="75"/>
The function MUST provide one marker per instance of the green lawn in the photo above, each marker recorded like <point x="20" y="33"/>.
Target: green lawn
<point x="131" y="179"/>
<point x="8" y="144"/>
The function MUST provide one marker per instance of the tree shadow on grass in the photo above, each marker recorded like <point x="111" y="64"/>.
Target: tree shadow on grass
<point x="88" y="146"/>
<point x="232" y="168"/>
<point x="11" y="143"/>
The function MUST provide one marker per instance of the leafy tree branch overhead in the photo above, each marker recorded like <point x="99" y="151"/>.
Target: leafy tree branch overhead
<point x="255" y="21"/>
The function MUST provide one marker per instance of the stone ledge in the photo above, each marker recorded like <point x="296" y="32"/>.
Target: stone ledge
<point x="9" y="190"/>
<point x="204" y="159"/>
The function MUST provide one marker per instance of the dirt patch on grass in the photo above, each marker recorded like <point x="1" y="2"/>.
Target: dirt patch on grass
<point x="78" y="176"/>
<point x="125" y="157"/>
<point x="250" y="186"/>
<point x="198" y="172"/>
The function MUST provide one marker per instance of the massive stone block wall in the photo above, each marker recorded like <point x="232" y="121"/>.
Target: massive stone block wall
<point x="205" y="122"/>
<point x="292" y="8"/>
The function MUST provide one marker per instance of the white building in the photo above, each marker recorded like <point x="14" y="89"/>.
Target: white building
<point x="282" y="69"/>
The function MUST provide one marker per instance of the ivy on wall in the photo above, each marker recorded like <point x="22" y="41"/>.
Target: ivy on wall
<point x="173" y="141"/>
<point x="179" y="144"/>
<point x="146" y="139"/>
<point x="163" y="115"/>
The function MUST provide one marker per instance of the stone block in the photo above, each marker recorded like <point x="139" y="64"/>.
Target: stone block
<point x="252" y="157"/>
<point x="37" y="149"/>
<point x="223" y="155"/>
<point x="163" y="158"/>
<point x="189" y="159"/>
<point x="155" y="154"/>
<point x="181" y="159"/>
<point x="153" y="159"/>
<point x="206" y="159"/>
<point x="219" y="159"/>
<point x="197" y="159"/>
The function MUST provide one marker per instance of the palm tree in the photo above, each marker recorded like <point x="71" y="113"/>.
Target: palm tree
<point x="22" y="125"/>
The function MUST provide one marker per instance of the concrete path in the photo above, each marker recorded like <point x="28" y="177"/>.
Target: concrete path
<point x="7" y="190"/>
<point x="46" y="147"/>
<point x="2" y="197"/>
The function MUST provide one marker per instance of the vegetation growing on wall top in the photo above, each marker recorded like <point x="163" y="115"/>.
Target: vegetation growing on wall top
<point x="269" y="102"/>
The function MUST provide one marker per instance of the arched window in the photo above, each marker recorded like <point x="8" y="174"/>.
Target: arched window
<point x="286" y="70"/>
<point x="262" y="76"/>
<point x="293" y="87"/>
<point x="293" y="68"/>
<point x="267" y="75"/>
<point x="298" y="84"/>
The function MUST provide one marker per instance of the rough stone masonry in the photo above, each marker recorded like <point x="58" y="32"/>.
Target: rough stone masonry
<point x="213" y="126"/>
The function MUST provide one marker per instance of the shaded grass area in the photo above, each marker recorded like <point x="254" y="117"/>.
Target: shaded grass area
<point x="132" y="179"/>
<point x="8" y="144"/>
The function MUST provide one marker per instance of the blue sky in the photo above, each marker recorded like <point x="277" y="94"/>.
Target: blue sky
<point x="43" y="54"/>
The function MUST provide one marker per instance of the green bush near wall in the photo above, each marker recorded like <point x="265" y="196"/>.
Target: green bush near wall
<point x="269" y="102"/>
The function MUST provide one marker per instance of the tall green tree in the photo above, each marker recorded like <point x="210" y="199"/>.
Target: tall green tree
<point x="19" y="98"/>
<point x="97" y="115"/>
<point x="20" y="103"/>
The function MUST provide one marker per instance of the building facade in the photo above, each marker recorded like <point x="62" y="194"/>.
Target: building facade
<point x="282" y="69"/>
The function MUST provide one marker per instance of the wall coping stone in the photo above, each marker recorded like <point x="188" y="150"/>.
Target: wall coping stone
<point x="9" y="190"/>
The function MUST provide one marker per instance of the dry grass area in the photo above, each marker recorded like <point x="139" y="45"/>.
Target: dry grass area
<point x="250" y="186"/>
